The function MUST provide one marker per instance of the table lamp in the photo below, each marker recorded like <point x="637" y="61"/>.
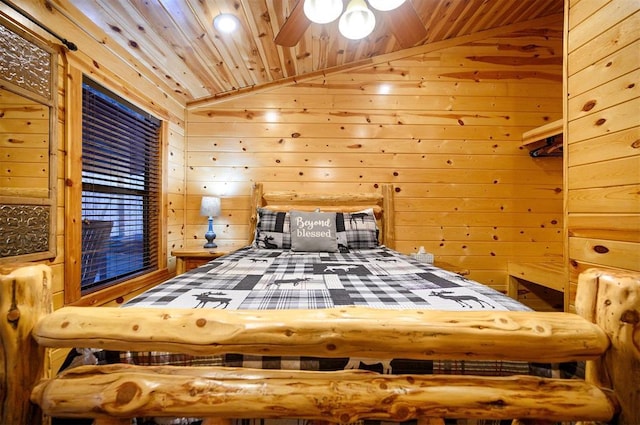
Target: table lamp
<point x="210" y="206"/>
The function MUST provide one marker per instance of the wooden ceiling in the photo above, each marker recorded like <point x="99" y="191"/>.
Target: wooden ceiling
<point x="176" y="41"/>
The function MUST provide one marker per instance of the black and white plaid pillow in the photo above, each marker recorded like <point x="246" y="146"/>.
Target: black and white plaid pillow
<point x="273" y="230"/>
<point x="357" y="230"/>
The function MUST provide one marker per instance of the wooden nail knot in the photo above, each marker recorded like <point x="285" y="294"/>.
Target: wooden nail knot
<point x="601" y="249"/>
<point x="631" y="317"/>
<point x="127" y="392"/>
<point x="13" y="315"/>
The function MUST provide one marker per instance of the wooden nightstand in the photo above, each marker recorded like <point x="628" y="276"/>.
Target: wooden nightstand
<point x="190" y="258"/>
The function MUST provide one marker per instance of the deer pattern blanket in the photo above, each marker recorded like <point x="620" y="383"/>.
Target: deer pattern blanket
<point x="254" y="278"/>
<point x="257" y="279"/>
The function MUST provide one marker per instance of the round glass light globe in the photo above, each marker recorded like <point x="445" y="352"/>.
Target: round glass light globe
<point x="322" y="11"/>
<point x="385" y="5"/>
<point x="357" y="22"/>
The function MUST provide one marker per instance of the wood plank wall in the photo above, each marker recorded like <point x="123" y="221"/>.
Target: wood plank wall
<point x="444" y="127"/>
<point x="123" y="77"/>
<point x="603" y="136"/>
<point x="24" y="146"/>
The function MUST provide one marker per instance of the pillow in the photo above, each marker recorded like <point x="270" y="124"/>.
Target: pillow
<point x="357" y="230"/>
<point x="313" y="231"/>
<point x="272" y="230"/>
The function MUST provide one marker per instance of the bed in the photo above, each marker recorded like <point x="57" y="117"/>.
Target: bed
<point x="350" y="265"/>
<point x="347" y="323"/>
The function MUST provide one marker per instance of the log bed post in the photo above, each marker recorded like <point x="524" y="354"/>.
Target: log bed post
<point x="256" y="200"/>
<point x="25" y="297"/>
<point x="388" y="208"/>
<point x="611" y="299"/>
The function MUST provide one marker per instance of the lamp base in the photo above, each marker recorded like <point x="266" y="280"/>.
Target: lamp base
<point x="210" y="236"/>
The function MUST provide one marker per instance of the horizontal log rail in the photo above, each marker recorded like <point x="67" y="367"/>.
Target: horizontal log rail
<point x="112" y="393"/>
<point x="343" y="332"/>
<point x="344" y="396"/>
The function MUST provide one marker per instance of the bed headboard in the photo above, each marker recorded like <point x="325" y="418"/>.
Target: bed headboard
<point x="381" y="203"/>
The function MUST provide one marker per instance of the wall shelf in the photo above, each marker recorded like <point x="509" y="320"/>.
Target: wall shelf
<point x="550" y="134"/>
<point x="542" y="133"/>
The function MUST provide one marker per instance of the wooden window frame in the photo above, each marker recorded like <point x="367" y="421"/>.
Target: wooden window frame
<point x="73" y="207"/>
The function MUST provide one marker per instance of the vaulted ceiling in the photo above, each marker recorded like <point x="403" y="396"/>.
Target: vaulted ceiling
<point x="176" y="41"/>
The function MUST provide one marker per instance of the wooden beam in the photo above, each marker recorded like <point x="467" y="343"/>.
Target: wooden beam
<point x="610" y="299"/>
<point x="344" y="332"/>
<point x="341" y="396"/>
<point x="25" y="296"/>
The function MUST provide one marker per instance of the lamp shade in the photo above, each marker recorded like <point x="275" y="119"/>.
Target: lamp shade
<point x="385" y="5"/>
<point x="357" y="21"/>
<point x="210" y="206"/>
<point x="322" y="11"/>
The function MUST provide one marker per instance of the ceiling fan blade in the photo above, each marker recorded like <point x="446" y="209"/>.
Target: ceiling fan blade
<point x="294" y="27"/>
<point x="406" y="25"/>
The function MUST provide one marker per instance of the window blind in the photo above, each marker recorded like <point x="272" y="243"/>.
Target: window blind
<point x="120" y="189"/>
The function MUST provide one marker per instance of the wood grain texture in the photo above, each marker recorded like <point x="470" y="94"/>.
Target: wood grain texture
<point x="552" y="337"/>
<point x="25" y="296"/>
<point x="605" y="332"/>
<point x="610" y="299"/>
<point x="603" y="137"/>
<point x="345" y="396"/>
<point x="451" y="145"/>
<point x="185" y="55"/>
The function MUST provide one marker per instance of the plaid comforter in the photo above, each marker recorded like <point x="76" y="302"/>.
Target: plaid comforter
<point x="253" y="278"/>
<point x="259" y="279"/>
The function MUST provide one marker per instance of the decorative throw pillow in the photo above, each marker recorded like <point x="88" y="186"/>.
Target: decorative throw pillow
<point x="272" y="230"/>
<point x="357" y="230"/>
<point x="313" y="231"/>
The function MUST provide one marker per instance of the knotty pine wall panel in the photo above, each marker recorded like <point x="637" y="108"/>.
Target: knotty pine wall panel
<point x="24" y="146"/>
<point x="175" y="190"/>
<point x="603" y="137"/>
<point x="123" y="77"/>
<point x="444" y="127"/>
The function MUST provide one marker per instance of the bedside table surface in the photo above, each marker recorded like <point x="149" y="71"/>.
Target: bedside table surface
<point x="189" y="258"/>
<point x="199" y="252"/>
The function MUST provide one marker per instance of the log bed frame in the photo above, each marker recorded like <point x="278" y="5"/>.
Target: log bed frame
<point x="605" y="333"/>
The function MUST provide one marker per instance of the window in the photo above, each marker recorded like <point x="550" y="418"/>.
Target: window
<point x="120" y="189"/>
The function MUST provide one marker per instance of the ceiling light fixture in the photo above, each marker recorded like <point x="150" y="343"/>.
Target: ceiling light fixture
<point x="322" y="11"/>
<point x="385" y="5"/>
<point x="226" y="23"/>
<point x="357" y="21"/>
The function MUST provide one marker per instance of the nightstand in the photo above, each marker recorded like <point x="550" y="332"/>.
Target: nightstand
<point x="190" y="258"/>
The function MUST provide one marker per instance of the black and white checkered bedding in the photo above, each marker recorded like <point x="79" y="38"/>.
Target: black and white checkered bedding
<point x="254" y="278"/>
